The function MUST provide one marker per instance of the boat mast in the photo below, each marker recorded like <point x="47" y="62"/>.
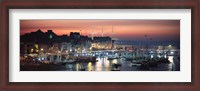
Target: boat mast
<point x="102" y="32"/>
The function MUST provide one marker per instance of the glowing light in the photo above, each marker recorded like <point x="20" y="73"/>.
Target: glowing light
<point x="41" y="49"/>
<point x="50" y="36"/>
<point x="90" y="66"/>
<point x="107" y="63"/>
<point x="36" y="46"/>
<point x="77" y="66"/>
<point x="159" y="56"/>
<point x="170" y="58"/>
<point x="114" y="61"/>
<point x="31" y="50"/>
<point x="151" y="56"/>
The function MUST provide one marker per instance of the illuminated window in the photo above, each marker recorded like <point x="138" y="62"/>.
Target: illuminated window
<point x="50" y="36"/>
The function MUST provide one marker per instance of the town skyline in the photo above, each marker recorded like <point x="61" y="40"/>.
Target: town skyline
<point x="99" y="45"/>
<point x="158" y="30"/>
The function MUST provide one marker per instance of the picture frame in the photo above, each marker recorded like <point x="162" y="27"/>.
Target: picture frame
<point x="133" y="86"/>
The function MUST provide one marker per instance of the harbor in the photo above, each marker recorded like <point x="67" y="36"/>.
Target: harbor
<point x="110" y="45"/>
<point x="104" y="61"/>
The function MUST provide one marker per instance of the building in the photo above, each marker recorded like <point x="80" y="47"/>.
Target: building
<point x="38" y="41"/>
<point x="102" y="43"/>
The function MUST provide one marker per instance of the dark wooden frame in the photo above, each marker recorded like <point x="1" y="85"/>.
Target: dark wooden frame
<point x="100" y="4"/>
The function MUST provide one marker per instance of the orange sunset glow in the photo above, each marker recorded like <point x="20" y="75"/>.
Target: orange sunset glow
<point x="159" y="30"/>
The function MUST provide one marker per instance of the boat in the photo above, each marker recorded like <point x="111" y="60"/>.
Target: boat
<point x="136" y="64"/>
<point x="124" y="59"/>
<point x="116" y="66"/>
<point x="111" y="58"/>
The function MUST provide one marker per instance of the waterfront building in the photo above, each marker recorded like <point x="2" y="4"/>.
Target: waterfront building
<point x="102" y="43"/>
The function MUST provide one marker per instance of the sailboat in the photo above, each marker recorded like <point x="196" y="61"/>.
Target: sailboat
<point x="135" y="62"/>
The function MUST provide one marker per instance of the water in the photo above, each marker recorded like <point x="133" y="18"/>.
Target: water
<point x="104" y="64"/>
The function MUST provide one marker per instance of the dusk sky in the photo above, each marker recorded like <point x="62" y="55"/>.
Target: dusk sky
<point x="158" y="30"/>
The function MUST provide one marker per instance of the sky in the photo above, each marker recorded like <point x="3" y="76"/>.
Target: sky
<point x="157" y="30"/>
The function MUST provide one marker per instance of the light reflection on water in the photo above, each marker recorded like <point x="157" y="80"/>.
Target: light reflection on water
<point x="104" y="64"/>
<point x="90" y="66"/>
<point x="171" y="59"/>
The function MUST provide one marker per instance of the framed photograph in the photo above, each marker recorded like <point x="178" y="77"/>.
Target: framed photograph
<point x="100" y="45"/>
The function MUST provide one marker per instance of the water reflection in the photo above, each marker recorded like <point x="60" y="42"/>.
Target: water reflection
<point x="103" y="64"/>
<point x="90" y="66"/>
<point x="170" y="58"/>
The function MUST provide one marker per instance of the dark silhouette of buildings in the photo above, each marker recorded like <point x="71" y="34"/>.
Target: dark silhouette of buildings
<point x="40" y="37"/>
<point x="102" y="39"/>
<point x="75" y="35"/>
<point x="36" y="41"/>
